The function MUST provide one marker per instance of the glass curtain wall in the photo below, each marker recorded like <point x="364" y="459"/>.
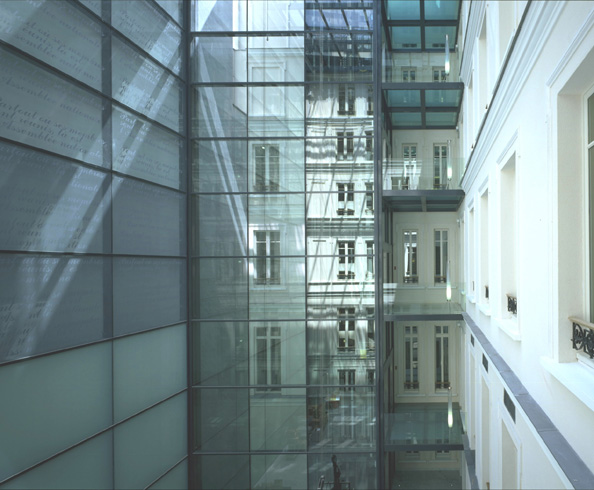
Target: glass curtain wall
<point x="282" y="238"/>
<point x="93" y="250"/>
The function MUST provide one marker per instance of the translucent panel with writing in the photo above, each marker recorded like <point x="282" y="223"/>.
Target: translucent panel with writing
<point x="50" y="303"/>
<point x="42" y="110"/>
<point x="148" y="368"/>
<point x="221" y="419"/>
<point x="148" y="293"/>
<point x="78" y="383"/>
<point x="143" y="23"/>
<point x="57" y="33"/>
<point x="69" y="215"/>
<point x="219" y="112"/>
<point x="147" y="445"/>
<point x="93" y="5"/>
<point x="89" y="465"/>
<point x="147" y="220"/>
<point x="144" y="86"/>
<point x="175" y="478"/>
<point x="219" y="166"/>
<point x="174" y="8"/>
<point x="216" y="216"/>
<point x="270" y="471"/>
<point x="143" y="150"/>
<point x="223" y="289"/>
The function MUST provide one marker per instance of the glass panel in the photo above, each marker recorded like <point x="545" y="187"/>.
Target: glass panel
<point x="406" y="37"/>
<point x="50" y="303"/>
<point x="219" y="59"/>
<point x="441" y="119"/>
<point x="404" y="98"/>
<point x="404" y="119"/>
<point x="220" y="112"/>
<point x="277" y="15"/>
<point x="442" y="98"/>
<point x="221" y="421"/>
<point x="70" y="215"/>
<point x="275" y="58"/>
<point x="144" y="23"/>
<point x="93" y="5"/>
<point x="173" y="8"/>
<point x="144" y="150"/>
<point x="147" y="219"/>
<point x="48" y="112"/>
<point x="148" y="293"/>
<point x="270" y="471"/>
<point x="219" y="15"/>
<point x="275" y="111"/>
<point x="59" y="34"/>
<point x="285" y="297"/>
<point x="282" y="213"/>
<point x="355" y="470"/>
<point x="176" y="478"/>
<point x="219" y="216"/>
<point x="278" y="420"/>
<point x="440" y="10"/>
<point x="276" y="165"/>
<point x="403" y="10"/>
<point x="219" y="166"/>
<point x="147" y="445"/>
<point x="221" y="472"/>
<point x="89" y="465"/>
<point x="78" y="383"/>
<point x="223" y="289"/>
<point x="148" y="368"/>
<point x="339" y="418"/>
<point x="144" y="86"/>
<point x="220" y="353"/>
<point x="435" y="36"/>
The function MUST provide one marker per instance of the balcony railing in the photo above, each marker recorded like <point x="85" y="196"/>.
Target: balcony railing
<point x="418" y="174"/>
<point x="512" y="304"/>
<point x="583" y="335"/>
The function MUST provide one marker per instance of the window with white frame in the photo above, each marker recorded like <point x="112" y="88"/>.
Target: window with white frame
<point x="346" y="329"/>
<point x="267" y="260"/>
<point x="369" y="145"/>
<point x="370" y="100"/>
<point x="370" y="328"/>
<point x="346" y="259"/>
<point x="442" y="358"/>
<point x="409" y="74"/>
<point x="341" y="139"/>
<point x="441" y="256"/>
<point x="411" y="358"/>
<point x="266" y="167"/>
<point x="346" y="199"/>
<point x="411" y="274"/>
<point x="346" y="100"/>
<point x="439" y="74"/>
<point x="370" y="258"/>
<point x="409" y="156"/>
<point x="440" y="166"/>
<point x="369" y="197"/>
<point x="268" y="358"/>
<point x="346" y="379"/>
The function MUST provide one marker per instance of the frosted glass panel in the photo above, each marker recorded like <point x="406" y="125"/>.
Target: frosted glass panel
<point x="86" y="466"/>
<point x="219" y="166"/>
<point x="147" y="219"/>
<point x="142" y="85"/>
<point x="149" y="444"/>
<point x="176" y="479"/>
<point x="93" y="6"/>
<point x="52" y="402"/>
<point x="220" y="112"/>
<point x="148" y="293"/>
<point x="148" y="368"/>
<point x="58" y="33"/>
<point x="173" y="8"/>
<point x="49" y="204"/>
<point x="48" y="303"/>
<point x="148" y="27"/>
<point x="221" y="472"/>
<point x="42" y="110"/>
<point x="270" y="471"/>
<point x="146" y="151"/>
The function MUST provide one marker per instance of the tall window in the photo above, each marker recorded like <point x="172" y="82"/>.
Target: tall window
<point x="411" y="358"/>
<point x="409" y="152"/>
<point x="410" y="257"/>
<point x="410" y="177"/>
<point x="439" y="74"/>
<point x="346" y="329"/>
<point x="346" y="379"/>
<point x="440" y="166"/>
<point x="442" y="358"/>
<point x="369" y="244"/>
<point x="340" y="145"/>
<point x="369" y="145"/>
<point x="267" y="261"/>
<point x="346" y="100"/>
<point x="441" y="256"/>
<point x="409" y="74"/>
<point x="370" y="100"/>
<point x="267" y="165"/>
<point x="268" y="358"/>
<point x="371" y="328"/>
<point x="346" y="199"/>
<point x="346" y="260"/>
<point x="369" y="197"/>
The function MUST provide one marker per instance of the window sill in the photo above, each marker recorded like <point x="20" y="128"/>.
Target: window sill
<point x="511" y="328"/>
<point x="471" y="298"/>
<point x="575" y="376"/>
<point x="485" y="309"/>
